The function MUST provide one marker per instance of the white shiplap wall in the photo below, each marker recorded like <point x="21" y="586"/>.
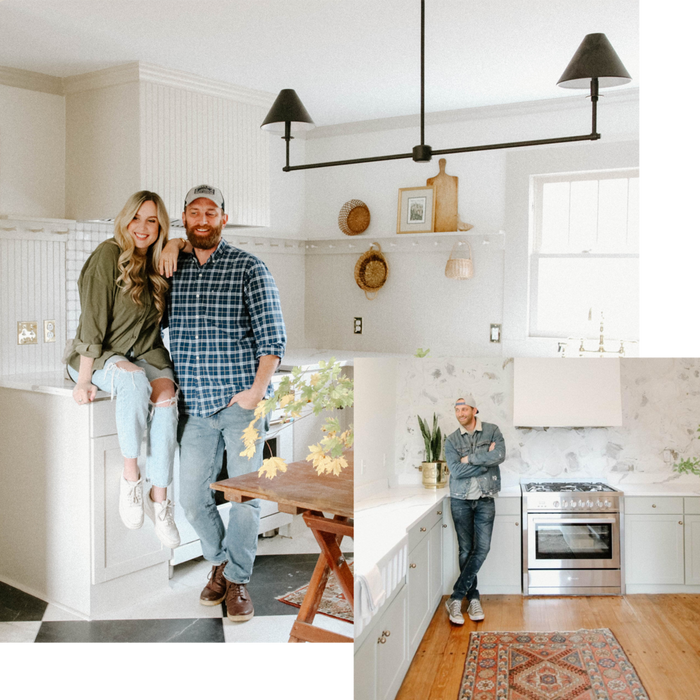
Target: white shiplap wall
<point x="189" y="138"/>
<point x="32" y="288"/>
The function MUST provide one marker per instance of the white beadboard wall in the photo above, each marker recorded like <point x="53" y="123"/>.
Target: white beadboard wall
<point x="190" y="138"/>
<point x="32" y="288"/>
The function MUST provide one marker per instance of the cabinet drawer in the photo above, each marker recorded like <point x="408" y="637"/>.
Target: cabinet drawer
<point x="103" y="421"/>
<point x="692" y="506"/>
<point x="650" y="505"/>
<point x="425" y="524"/>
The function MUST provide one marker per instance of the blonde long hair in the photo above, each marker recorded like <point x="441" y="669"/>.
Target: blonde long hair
<point x="138" y="270"/>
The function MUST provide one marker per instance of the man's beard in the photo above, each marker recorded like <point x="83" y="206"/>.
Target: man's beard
<point x="204" y="242"/>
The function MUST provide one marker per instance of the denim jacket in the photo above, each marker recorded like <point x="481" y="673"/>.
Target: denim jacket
<point x="482" y="465"/>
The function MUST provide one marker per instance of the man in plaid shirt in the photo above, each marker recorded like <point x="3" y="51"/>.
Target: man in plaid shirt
<point x="227" y="337"/>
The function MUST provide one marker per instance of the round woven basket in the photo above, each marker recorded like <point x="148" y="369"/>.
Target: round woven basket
<point x="371" y="271"/>
<point x="353" y="217"/>
<point x="459" y="268"/>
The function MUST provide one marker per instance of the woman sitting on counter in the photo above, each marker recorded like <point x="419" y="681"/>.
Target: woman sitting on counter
<point x="118" y="348"/>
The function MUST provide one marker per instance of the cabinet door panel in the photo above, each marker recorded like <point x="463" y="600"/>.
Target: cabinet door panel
<point x="366" y="670"/>
<point x="392" y="655"/>
<point x="418" y="593"/>
<point x="654" y="549"/>
<point x="117" y="550"/>
<point x="692" y="549"/>
<point x="500" y="573"/>
<point x="435" y="557"/>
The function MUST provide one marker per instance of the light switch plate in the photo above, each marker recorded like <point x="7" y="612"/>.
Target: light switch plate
<point x="27" y="333"/>
<point x="495" y="333"/>
<point x="357" y="325"/>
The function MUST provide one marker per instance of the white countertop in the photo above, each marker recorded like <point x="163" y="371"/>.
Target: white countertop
<point x="688" y="489"/>
<point x="382" y="521"/>
<point x="57" y="383"/>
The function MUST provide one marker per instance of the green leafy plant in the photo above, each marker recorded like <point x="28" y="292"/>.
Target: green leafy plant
<point x="432" y="438"/>
<point x="422" y="353"/>
<point x="689" y="466"/>
<point x="325" y="390"/>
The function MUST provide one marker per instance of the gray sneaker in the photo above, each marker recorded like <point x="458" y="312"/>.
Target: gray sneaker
<point x="475" y="611"/>
<point x="454" y="610"/>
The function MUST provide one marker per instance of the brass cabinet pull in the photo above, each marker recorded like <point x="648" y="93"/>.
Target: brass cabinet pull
<point x="411" y="566"/>
<point x="653" y="505"/>
<point x="386" y="633"/>
<point x="381" y="640"/>
<point x="680" y="522"/>
<point x="422" y="529"/>
<point x="517" y="524"/>
<point x="439" y="512"/>
<point x="444" y="525"/>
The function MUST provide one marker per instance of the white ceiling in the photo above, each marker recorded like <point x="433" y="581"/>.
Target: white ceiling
<point x="348" y="60"/>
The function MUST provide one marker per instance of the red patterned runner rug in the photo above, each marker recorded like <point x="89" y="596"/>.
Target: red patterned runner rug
<point x="333" y="602"/>
<point x="582" y="665"/>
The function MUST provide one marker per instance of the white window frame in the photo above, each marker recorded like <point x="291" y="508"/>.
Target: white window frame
<point x="536" y="212"/>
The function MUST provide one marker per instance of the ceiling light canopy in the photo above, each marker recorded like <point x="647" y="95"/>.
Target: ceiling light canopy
<point x="595" y="64"/>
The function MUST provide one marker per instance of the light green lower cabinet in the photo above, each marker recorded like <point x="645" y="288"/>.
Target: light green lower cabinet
<point x="692" y="549"/>
<point x="654" y="549"/>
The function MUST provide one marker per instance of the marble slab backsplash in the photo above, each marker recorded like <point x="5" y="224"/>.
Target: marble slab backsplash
<point x="660" y="409"/>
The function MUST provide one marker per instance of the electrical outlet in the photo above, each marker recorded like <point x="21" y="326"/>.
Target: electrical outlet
<point x="358" y="325"/>
<point x="26" y="333"/>
<point x="495" y="333"/>
<point x="49" y="331"/>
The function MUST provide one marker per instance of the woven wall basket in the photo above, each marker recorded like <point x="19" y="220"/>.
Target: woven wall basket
<point x="459" y="268"/>
<point x="371" y="271"/>
<point x="353" y="217"/>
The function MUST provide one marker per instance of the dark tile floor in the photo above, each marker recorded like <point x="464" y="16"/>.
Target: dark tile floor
<point x="23" y="615"/>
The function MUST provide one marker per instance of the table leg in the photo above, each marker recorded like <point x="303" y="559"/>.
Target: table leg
<point x="331" y="558"/>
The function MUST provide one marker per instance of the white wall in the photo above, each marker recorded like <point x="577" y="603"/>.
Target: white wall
<point x="32" y="153"/>
<point x="374" y="414"/>
<point x="418" y="306"/>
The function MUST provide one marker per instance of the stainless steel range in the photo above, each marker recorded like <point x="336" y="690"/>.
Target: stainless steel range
<point x="572" y="535"/>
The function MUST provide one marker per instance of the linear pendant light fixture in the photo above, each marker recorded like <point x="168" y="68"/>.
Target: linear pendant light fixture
<point x="594" y="64"/>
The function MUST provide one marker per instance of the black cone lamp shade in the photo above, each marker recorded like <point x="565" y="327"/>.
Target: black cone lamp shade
<point x="595" y="58"/>
<point x="287" y="108"/>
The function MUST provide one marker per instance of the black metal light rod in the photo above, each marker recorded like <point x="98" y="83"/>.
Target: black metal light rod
<point x="468" y="149"/>
<point x="422" y="73"/>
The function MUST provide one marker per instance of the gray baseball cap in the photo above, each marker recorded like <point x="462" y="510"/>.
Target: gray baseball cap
<point x="467" y="400"/>
<point x="206" y="191"/>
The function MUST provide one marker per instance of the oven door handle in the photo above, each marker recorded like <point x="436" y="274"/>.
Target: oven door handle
<point x="575" y="521"/>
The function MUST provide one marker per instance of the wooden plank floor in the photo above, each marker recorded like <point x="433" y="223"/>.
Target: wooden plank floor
<point x="659" y="633"/>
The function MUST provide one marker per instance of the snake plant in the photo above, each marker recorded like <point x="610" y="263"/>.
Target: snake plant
<point x="433" y="439"/>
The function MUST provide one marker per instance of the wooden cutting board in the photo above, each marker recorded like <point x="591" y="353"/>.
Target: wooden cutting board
<point x="445" y="199"/>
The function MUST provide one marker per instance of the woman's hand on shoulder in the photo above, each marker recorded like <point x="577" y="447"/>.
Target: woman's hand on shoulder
<point x="170" y="254"/>
<point x="84" y="393"/>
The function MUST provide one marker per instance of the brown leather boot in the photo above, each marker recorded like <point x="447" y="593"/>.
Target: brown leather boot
<point x="239" y="606"/>
<point x="215" y="591"/>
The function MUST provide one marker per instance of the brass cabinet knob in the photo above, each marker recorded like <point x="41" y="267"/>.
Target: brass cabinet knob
<point x="386" y="633"/>
<point x="680" y="522"/>
<point x="517" y="524"/>
<point x="439" y="512"/>
<point x="422" y="529"/>
<point x="381" y="640"/>
<point x="444" y="525"/>
<point x="653" y="505"/>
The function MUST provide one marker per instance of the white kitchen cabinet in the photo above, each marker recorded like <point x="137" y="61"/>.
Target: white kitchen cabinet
<point x="501" y="572"/>
<point x="60" y="464"/>
<point x="654" y="541"/>
<point x="424" y="573"/>
<point x="692" y="541"/>
<point x="382" y="659"/>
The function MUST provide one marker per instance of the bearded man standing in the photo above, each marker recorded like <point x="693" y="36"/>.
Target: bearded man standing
<point x="227" y="337"/>
<point x="473" y="453"/>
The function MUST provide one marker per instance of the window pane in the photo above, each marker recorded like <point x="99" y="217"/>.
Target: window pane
<point x="555" y="218"/>
<point x="612" y="216"/>
<point x="568" y="288"/>
<point x="584" y="216"/>
<point x="633" y="216"/>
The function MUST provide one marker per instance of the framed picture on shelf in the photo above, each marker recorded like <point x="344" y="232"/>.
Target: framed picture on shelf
<point x="416" y="210"/>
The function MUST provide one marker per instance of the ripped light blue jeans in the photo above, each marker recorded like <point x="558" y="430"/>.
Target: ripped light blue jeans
<point x="136" y="416"/>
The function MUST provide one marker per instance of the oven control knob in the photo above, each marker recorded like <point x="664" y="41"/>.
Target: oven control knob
<point x="607" y="504"/>
<point x="556" y="504"/>
<point x="589" y="504"/>
<point x="572" y="503"/>
<point x="581" y="504"/>
<point x="599" y="504"/>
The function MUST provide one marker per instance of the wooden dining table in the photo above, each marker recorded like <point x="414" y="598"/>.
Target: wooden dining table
<point x="326" y="505"/>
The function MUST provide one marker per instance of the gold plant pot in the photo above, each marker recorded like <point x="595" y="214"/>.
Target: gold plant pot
<point x="434" y="474"/>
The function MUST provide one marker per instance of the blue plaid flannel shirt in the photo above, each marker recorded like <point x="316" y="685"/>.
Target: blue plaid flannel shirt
<point x="222" y="316"/>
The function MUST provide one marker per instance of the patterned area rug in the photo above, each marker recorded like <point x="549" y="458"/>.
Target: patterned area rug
<point x="582" y="665"/>
<point x="333" y="602"/>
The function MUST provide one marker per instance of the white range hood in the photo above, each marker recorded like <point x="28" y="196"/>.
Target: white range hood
<point x="566" y="392"/>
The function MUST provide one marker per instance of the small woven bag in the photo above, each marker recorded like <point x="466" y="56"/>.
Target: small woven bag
<point x="460" y="268"/>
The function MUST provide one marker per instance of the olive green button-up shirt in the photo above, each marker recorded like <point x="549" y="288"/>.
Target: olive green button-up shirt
<point x="110" y="322"/>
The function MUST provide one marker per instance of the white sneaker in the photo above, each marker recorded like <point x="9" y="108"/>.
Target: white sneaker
<point x="475" y="611"/>
<point x="131" y="503"/>
<point x="162" y="516"/>
<point x="454" y="610"/>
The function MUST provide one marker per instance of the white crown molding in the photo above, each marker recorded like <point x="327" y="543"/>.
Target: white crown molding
<point x="134" y="72"/>
<point x="29" y="80"/>
<point x="138" y="72"/>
